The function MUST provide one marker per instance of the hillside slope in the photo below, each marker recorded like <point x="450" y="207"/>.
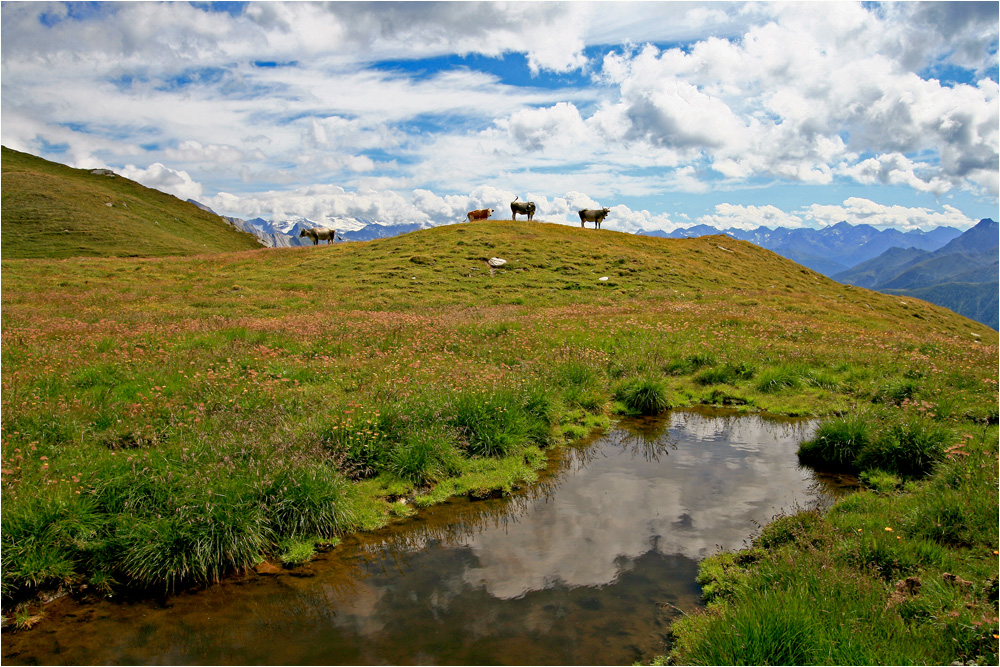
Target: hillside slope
<point x="51" y="210"/>
<point x="171" y="420"/>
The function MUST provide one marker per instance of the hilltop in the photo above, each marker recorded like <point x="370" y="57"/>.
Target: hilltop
<point x="51" y="210"/>
<point x="828" y="250"/>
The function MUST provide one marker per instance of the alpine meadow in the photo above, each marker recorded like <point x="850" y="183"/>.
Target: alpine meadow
<point x="173" y="415"/>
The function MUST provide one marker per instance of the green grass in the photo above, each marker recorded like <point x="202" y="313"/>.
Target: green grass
<point x="51" y="210"/>
<point x="901" y="574"/>
<point x="197" y="414"/>
<point x="878" y="441"/>
<point x="643" y="396"/>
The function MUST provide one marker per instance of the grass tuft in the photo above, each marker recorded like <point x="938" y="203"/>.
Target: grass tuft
<point x="838" y="443"/>
<point x="643" y="396"/>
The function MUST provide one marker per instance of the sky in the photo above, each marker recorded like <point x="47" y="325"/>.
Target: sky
<point x="670" y="114"/>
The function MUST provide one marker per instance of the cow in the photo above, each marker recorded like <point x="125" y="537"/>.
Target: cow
<point x="318" y="233"/>
<point x="593" y="215"/>
<point x="524" y="207"/>
<point x="480" y="214"/>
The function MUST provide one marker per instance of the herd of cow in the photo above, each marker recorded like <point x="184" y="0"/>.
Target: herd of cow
<point x="594" y="215"/>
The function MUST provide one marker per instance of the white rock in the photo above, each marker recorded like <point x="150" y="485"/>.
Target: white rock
<point x="604" y="278"/>
<point x="496" y="261"/>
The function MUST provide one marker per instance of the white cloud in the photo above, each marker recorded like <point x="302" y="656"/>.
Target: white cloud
<point x="894" y="169"/>
<point x="178" y="183"/>
<point x="854" y="210"/>
<point x="264" y="102"/>
<point x="194" y="151"/>
<point x="623" y="219"/>
<point x="797" y="97"/>
<point x="858" y="211"/>
<point x="728" y="216"/>
<point x="534" y="129"/>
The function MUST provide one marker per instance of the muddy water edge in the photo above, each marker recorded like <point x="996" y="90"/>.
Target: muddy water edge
<point x="588" y="566"/>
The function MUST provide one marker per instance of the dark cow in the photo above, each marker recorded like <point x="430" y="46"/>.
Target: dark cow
<point x="524" y="207"/>
<point x="481" y="214"/>
<point x="593" y="215"/>
<point x="320" y="233"/>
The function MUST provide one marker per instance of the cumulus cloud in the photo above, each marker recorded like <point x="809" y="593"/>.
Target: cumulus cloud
<point x="854" y="210"/>
<point x="352" y="209"/>
<point x="801" y="98"/>
<point x="178" y="183"/>
<point x="264" y="99"/>
<point x="894" y="169"/>
<point x="550" y="34"/>
<point x="623" y="219"/>
<point x="858" y="211"/>
<point x="737" y="216"/>
<point x="534" y="129"/>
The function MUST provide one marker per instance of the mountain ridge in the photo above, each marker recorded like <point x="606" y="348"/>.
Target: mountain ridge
<point x="961" y="275"/>
<point x="828" y="250"/>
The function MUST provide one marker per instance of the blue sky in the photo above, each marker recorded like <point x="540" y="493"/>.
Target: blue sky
<point x="671" y="114"/>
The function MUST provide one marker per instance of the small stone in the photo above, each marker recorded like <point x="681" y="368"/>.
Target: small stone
<point x="267" y="568"/>
<point x="496" y="262"/>
<point x="603" y="278"/>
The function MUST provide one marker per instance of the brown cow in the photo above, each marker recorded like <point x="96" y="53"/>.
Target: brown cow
<point x="481" y="214"/>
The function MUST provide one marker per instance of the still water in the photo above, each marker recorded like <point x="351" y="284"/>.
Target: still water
<point x="589" y="566"/>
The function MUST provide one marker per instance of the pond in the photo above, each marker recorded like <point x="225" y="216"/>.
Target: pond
<point x="588" y="566"/>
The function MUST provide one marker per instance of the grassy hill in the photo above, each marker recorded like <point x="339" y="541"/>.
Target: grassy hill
<point x="51" y="210"/>
<point x="168" y="420"/>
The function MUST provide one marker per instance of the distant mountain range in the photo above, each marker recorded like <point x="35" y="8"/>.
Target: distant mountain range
<point x="285" y="233"/>
<point x="829" y="250"/>
<point x="962" y="275"/>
